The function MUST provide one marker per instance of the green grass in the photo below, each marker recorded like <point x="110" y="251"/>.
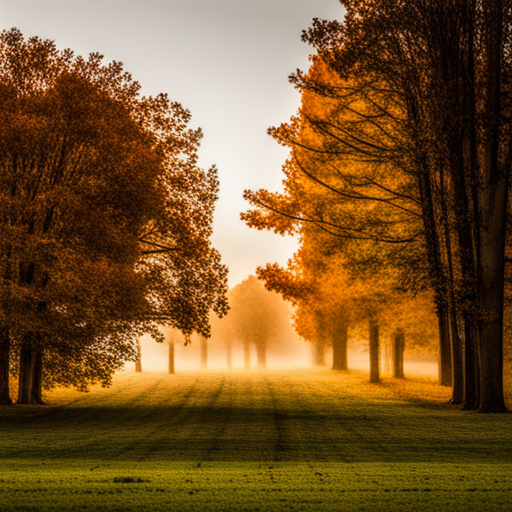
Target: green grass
<point x="296" y="440"/>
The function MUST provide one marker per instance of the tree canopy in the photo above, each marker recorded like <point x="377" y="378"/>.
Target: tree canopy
<point x="258" y="317"/>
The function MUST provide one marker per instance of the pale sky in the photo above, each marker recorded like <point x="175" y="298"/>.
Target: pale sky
<point x="227" y="61"/>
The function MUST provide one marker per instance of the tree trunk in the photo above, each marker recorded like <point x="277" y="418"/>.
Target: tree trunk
<point x="171" y="358"/>
<point x="36" y="385"/>
<point x="457" y="361"/>
<point x="25" y="375"/>
<point x="493" y="223"/>
<point x="445" y="349"/>
<point x="319" y="353"/>
<point x="339" y="348"/>
<point x="374" y="352"/>
<point x="398" y="354"/>
<point x="247" y="355"/>
<point x="471" y="391"/>
<point x="229" y="354"/>
<point x="5" y="357"/>
<point x="204" y="352"/>
<point x="261" y="352"/>
<point x="491" y="368"/>
<point x="491" y="325"/>
<point x="138" y="361"/>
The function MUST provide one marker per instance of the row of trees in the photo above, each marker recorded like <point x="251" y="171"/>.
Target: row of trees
<point x="105" y="219"/>
<point x="258" y="321"/>
<point x="258" y="318"/>
<point x="400" y="157"/>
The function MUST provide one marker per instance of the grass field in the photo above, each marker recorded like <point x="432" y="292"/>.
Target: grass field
<point x="257" y="441"/>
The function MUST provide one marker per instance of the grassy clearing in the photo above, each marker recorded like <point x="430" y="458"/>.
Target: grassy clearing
<point x="295" y="440"/>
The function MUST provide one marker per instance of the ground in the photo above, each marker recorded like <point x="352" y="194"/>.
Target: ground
<point x="256" y="441"/>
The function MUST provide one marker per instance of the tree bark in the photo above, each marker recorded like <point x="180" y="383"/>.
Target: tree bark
<point x="138" y="361"/>
<point x="398" y="355"/>
<point x="5" y="357"/>
<point x="445" y="349"/>
<point x="339" y="348"/>
<point x="171" y="358"/>
<point x="204" y="352"/>
<point x="374" y="352"/>
<point x="493" y="222"/>
<point x="471" y="390"/>
<point x="25" y="375"/>
<point x="491" y="296"/>
<point x="36" y="384"/>
<point x="457" y="361"/>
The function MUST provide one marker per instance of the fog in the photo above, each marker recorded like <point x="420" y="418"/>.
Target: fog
<point x="289" y="354"/>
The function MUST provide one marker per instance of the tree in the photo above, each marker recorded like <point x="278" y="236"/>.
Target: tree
<point x="257" y="318"/>
<point x="105" y="216"/>
<point x="138" y="361"/>
<point x="319" y="291"/>
<point x="203" y="346"/>
<point x="398" y="354"/>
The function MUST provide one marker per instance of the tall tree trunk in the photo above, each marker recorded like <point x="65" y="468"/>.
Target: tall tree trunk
<point x="261" y="352"/>
<point x="25" y="375"/>
<point x="445" y="349"/>
<point x="171" y="368"/>
<point x="138" y="361"/>
<point x="204" y="352"/>
<point x="457" y="361"/>
<point x="374" y="352"/>
<point x="398" y="354"/>
<point x="339" y="348"/>
<point x="247" y="355"/>
<point x="493" y="222"/>
<point x="437" y="267"/>
<point x="5" y="358"/>
<point x="471" y="391"/>
<point x="36" y="384"/>
<point x="491" y="296"/>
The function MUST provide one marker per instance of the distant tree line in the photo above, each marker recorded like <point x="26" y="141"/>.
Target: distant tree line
<point x="257" y="318"/>
<point x="105" y="219"/>
<point x="398" y="180"/>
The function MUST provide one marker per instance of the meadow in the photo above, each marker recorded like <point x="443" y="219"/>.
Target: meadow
<point x="254" y="441"/>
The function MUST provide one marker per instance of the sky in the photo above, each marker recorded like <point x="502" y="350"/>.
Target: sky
<point x="227" y="61"/>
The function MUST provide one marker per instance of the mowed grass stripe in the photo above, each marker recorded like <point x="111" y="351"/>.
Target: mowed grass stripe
<point x="289" y="416"/>
<point x="294" y="440"/>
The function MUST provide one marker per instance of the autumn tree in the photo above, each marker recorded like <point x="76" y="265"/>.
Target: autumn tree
<point x="105" y="217"/>
<point x="257" y="318"/>
<point x="319" y="291"/>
